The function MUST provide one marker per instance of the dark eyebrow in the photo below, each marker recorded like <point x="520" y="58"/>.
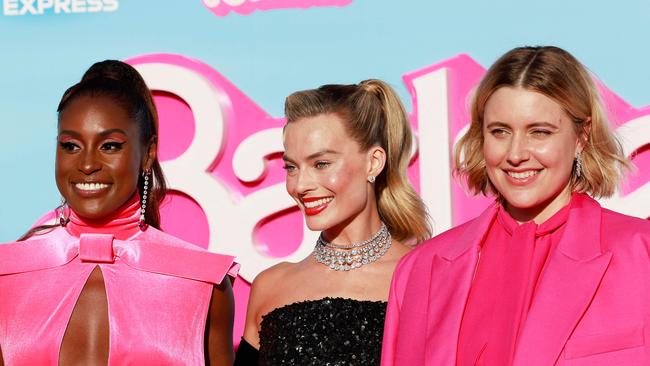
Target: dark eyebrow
<point x="69" y="132"/>
<point x="312" y="156"/>
<point x="102" y="134"/>
<point x="111" y="131"/>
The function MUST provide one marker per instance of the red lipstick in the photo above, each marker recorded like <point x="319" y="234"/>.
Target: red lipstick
<point x="318" y="208"/>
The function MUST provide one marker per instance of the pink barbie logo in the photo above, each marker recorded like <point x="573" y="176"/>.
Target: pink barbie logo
<point x="221" y="154"/>
<point x="244" y="7"/>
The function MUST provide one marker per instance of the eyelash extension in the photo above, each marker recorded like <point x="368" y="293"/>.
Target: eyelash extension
<point x="115" y="144"/>
<point x="67" y="145"/>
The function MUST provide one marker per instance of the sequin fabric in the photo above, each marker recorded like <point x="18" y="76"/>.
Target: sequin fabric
<point x="329" y="331"/>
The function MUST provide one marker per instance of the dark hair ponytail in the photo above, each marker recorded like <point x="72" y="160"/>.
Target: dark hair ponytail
<point x="123" y="84"/>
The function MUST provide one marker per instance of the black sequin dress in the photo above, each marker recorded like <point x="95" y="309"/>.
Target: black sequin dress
<point x="329" y="331"/>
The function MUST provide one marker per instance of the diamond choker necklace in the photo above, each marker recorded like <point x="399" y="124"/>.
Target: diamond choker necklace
<point x="352" y="256"/>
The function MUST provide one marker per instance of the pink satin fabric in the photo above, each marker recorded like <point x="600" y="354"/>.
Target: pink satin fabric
<point x="158" y="289"/>
<point x="512" y="258"/>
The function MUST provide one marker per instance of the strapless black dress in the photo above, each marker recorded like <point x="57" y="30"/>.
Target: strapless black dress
<point x="329" y="331"/>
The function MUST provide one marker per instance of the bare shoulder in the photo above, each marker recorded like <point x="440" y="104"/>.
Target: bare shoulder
<point x="273" y="271"/>
<point x="273" y="283"/>
<point x="262" y="285"/>
<point x="265" y="288"/>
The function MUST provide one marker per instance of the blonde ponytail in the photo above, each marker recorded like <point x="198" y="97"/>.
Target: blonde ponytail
<point x="374" y="116"/>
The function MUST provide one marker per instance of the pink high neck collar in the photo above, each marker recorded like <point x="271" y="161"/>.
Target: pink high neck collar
<point x="123" y="224"/>
<point x="550" y="225"/>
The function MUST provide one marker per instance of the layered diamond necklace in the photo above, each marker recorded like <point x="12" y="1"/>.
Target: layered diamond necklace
<point x="351" y="256"/>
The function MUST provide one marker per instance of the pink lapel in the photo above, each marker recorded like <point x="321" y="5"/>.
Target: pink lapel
<point x="566" y="288"/>
<point x="452" y="271"/>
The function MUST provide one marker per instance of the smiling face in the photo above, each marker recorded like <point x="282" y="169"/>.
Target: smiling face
<point x="326" y="172"/>
<point x="529" y="146"/>
<point x="99" y="156"/>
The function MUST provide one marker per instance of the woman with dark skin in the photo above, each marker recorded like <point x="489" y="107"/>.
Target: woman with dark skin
<point x="148" y="299"/>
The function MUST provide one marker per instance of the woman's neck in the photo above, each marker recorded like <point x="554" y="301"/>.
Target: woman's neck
<point x="355" y="230"/>
<point x="123" y="223"/>
<point x="543" y="211"/>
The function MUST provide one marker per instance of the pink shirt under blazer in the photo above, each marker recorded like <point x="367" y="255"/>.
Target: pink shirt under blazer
<point x="158" y="289"/>
<point x="591" y="306"/>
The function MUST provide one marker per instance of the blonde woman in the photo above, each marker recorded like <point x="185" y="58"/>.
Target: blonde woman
<point x="545" y="276"/>
<point x="347" y="148"/>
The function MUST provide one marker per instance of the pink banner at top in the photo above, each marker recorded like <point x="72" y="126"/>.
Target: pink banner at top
<point x="245" y="7"/>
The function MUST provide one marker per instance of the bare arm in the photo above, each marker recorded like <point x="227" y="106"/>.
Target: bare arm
<point x="218" y="330"/>
<point x="258" y="296"/>
<point x="263" y="288"/>
<point x="251" y="327"/>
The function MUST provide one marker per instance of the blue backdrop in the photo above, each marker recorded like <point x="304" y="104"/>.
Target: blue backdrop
<point x="269" y="54"/>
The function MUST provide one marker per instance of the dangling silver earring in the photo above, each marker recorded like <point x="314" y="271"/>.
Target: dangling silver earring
<point x="371" y="178"/>
<point x="143" y="204"/>
<point x="62" y="209"/>
<point x="578" y="164"/>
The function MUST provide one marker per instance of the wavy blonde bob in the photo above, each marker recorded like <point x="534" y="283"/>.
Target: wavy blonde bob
<point x="558" y="75"/>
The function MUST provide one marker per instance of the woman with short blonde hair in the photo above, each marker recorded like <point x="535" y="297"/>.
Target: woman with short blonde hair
<point x="557" y="74"/>
<point x="545" y="275"/>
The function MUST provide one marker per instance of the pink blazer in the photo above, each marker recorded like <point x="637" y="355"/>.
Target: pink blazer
<point x="592" y="305"/>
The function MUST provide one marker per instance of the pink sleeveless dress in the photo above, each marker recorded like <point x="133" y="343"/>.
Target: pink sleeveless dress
<point x="158" y="289"/>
